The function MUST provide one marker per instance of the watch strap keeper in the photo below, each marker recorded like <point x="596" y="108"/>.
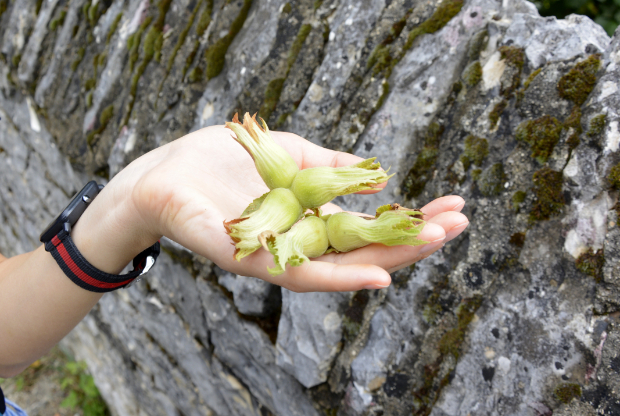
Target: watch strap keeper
<point x="88" y="277"/>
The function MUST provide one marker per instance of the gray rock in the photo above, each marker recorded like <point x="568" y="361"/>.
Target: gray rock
<point x="309" y="334"/>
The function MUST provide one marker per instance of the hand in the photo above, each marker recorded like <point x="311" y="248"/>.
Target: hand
<point x="188" y="188"/>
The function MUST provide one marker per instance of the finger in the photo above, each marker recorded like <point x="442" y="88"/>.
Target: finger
<point x="330" y="208"/>
<point x="452" y="222"/>
<point x="443" y="204"/>
<point x="319" y="276"/>
<point x="390" y="257"/>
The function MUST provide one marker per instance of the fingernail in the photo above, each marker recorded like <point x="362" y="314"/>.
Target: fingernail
<point x="433" y="245"/>
<point x="454" y="231"/>
<point x="375" y="286"/>
<point x="459" y="206"/>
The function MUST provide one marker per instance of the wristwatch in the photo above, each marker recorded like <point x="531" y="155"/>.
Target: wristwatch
<point x="57" y="239"/>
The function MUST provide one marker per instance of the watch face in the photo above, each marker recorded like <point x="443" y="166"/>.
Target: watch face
<point x="72" y="212"/>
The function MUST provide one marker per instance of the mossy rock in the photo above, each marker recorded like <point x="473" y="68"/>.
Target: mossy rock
<point x="496" y="113"/>
<point x="476" y="150"/>
<point x="597" y="125"/>
<point x="548" y="191"/>
<point x="579" y="82"/>
<point x="542" y="134"/>
<point x="614" y="177"/>
<point x="517" y="199"/>
<point x="472" y="74"/>
<point x="591" y="263"/>
<point x="491" y="181"/>
<point x="566" y="392"/>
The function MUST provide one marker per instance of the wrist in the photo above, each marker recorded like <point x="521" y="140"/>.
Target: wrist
<point x="110" y="232"/>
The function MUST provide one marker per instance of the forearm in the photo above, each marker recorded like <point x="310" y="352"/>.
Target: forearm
<point x="39" y="305"/>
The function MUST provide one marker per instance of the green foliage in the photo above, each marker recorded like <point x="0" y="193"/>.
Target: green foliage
<point x="604" y="12"/>
<point x="472" y="74"/>
<point x="422" y="169"/>
<point x="89" y="99"/>
<point x="579" y="82"/>
<point x="548" y="191"/>
<point x="82" y="391"/>
<point x="287" y="8"/>
<point x="542" y="134"/>
<point x="566" y="392"/>
<point x="476" y="149"/>
<point x="592" y="263"/>
<point x="216" y="54"/>
<point x="597" y="125"/>
<point x="496" y="113"/>
<point x="133" y="42"/>
<point x="444" y="13"/>
<point x="491" y="181"/>
<point x="114" y="26"/>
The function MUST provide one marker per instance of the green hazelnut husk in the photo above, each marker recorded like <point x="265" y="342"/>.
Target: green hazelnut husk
<point x="277" y="210"/>
<point x="273" y="163"/>
<point x="307" y="239"/>
<point x="392" y="226"/>
<point x="314" y="187"/>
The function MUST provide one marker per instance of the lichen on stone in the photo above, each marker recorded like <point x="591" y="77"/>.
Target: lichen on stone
<point x="579" y="82"/>
<point x="549" y="199"/>
<point x="542" y="134"/>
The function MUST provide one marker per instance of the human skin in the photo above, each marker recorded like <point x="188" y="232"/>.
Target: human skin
<point x="185" y="190"/>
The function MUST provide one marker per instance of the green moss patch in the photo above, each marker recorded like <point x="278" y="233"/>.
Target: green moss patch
<point x="542" y="134"/>
<point x="614" y="177"/>
<point x="17" y="59"/>
<point x="216" y="53"/>
<point x="113" y="27"/>
<point x="592" y="263"/>
<point x="104" y="119"/>
<point x="472" y="74"/>
<point x="566" y="392"/>
<point x="452" y="340"/>
<point x="517" y="199"/>
<point x="548" y="192"/>
<point x="76" y="62"/>
<point x="597" y="125"/>
<point x="444" y="13"/>
<point x="513" y="56"/>
<point x="476" y="149"/>
<point x="58" y="22"/>
<point x="491" y="181"/>
<point x="579" y="82"/>
<point x="496" y="113"/>
<point x="422" y="169"/>
<point x="195" y="75"/>
<point x="517" y="240"/>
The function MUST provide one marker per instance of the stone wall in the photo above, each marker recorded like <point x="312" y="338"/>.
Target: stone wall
<point x="516" y="113"/>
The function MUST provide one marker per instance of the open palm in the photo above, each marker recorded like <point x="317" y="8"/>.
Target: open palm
<point x="189" y="187"/>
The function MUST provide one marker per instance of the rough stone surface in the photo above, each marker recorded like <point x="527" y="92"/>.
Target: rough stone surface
<point x="521" y="305"/>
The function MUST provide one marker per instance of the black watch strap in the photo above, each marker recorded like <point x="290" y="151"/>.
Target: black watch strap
<point x="88" y="277"/>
